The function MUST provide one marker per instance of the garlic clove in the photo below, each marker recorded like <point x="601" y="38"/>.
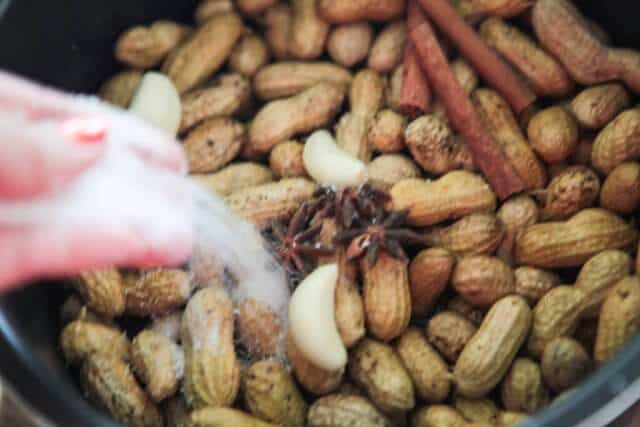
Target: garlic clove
<point x="328" y="164"/>
<point x="157" y="101"/>
<point x="312" y="323"/>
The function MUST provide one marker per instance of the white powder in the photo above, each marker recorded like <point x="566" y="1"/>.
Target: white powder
<point x="123" y="191"/>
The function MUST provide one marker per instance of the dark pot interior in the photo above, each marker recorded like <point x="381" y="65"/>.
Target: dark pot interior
<point x="68" y="44"/>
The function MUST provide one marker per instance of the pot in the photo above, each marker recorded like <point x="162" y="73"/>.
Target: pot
<point x="68" y="44"/>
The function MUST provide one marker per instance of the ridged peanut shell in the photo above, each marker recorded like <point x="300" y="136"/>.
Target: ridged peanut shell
<point x="487" y="357"/>
<point x="277" y="26"/>
<point x="349" y="305"/>
<point x="523" y="389"/>
<point x="212" y="371"/>
<point x="80" y="339"/>
<point x="553" y="134"/>
<point x="224" y="417"/>
<point x="338" y="11"/>
<point x="266" y="203"/>
<point x="452" y="196"/>
<point x="377" y="369"/>
<point x="309" y="31"/>
<point x="312" y="378"/>
<point x="282" y="119"/>
<point x="449" y="332"/>
<point x="235" y="177"/>
<point x="386" y="133"/>
<point x="599" y="275"/>
<point x="158" y="292"/>
<point x="435" y="147"/>
<point x="573" y="189"/>
<point x="226" y="96"/>
<point x="438" y="416"/>
<point x="109" y="382"/>
<point x="473" y="314"/>
<point x="387" y="301"/>
<point x="564" y="364"/>
<point x="213" y="144"/>
<point x="515" y="214"/>
<point x="249" y="55"/>
<point x="621" y="189"/>
<point x="258" y="328"/>
<point x="387" y="50"/>
<point x="158" y="362"/>
<point x="288" y="78"/>
<point x="619" y="318"/>
<point x="144" y="47"/>
<point x="596" y="106"/>
<point x="429" y="274"/>
<point x="388" y="169"/>
<point x="618" y="142"/>
<point x="339" y="410"/>
<point x="349" y="44"/>
<point x="272" y="395"/>
<point x="203" y="53"/>
<point x="476" y="410"/>
<point x="430" y="374"/>
<point x="556" y="315"/>
<point x="102" y="291"/>
<point x="286" y="161"/>
<point x="546" y="76"/>
<point x="474" y="234"/>
<point x="482" y="280"/>
<point x="534" y="283"/>
<point x="501" y="123"/>
<point x="573" y="242"/>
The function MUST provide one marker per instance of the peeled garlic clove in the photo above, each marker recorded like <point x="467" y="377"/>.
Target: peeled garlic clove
<point x="328" y="164"/>
<point x="312" y="323"/>
<point x="157" y="101"/>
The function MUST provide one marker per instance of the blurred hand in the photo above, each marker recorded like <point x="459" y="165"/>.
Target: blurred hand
<point x="47" y="141"/>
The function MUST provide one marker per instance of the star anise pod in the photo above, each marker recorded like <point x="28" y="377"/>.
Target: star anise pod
<point x="351" y="205"/>
<point x="382" y="231"/>
<point x="295" y="243"/>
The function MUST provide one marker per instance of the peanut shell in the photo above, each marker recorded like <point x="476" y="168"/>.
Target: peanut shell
<point x="338" y="410"/>
<point x="449" y="333"/>
<point x="487" y="357"/>
<point x="377" y="369"/>
<point x="429" y="273"/>
<point x="619" y="318"/>
<point x="564" y="364"/>
<point x="272" y="395"/>
<point x="108" y="381"/>
<point x="452" y="196"/>
<point x="556" y="315"/>
<point x="204" y="53"/>
<point x="523" y="389"/>
<point x="430" y="374"/>
<point x="158" y="362"/>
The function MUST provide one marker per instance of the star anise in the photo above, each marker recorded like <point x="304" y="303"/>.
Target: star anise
<point x="350" y="205"/>
<point x="295" y="243"/>
<point x="382" y="231"/>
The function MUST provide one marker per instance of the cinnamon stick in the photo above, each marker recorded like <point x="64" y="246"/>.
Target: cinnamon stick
<point x="415" y="95"/>
<point x="487" y="155"/>
<point x="495" y="72"/>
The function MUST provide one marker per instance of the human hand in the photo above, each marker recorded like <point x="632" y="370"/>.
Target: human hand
<point x="50" y="143"/>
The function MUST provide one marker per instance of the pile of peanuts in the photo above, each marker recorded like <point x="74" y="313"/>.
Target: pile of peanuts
<point x="508" y="305"/>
